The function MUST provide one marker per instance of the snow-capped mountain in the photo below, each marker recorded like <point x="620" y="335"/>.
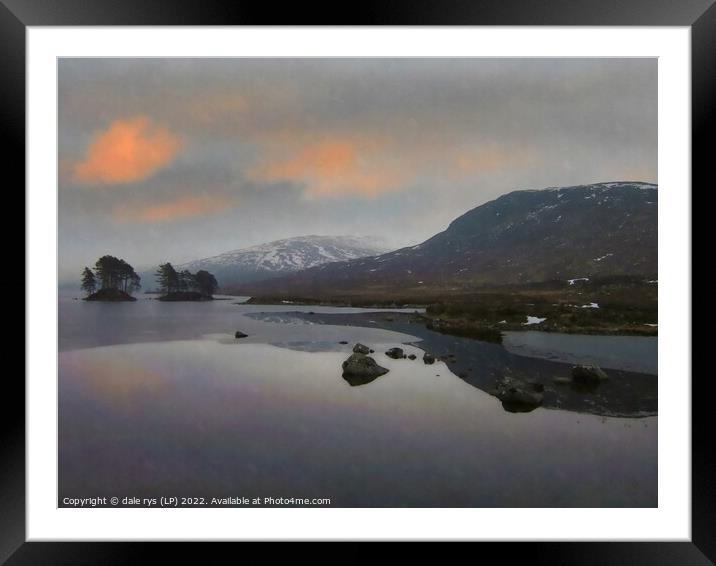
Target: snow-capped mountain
<point x="555" y="234"/>
<point x="284" y="256"/>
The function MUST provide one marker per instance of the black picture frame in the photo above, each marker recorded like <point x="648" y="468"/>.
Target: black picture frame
<point x="17" y="15"/>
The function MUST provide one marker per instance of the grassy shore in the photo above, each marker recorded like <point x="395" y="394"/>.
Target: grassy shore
<point x="610" y="306"/>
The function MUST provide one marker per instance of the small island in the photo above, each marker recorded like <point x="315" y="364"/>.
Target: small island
<point x="115" y="278"/>
<point x="185" y="286"/>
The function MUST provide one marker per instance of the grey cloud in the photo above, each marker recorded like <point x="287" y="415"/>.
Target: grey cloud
<point x="582" y="120"/>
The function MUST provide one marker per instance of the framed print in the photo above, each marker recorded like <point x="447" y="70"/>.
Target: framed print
<point x="357" y="282"/>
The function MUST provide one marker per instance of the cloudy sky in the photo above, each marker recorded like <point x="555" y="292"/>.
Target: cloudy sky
<point x="178" y="159"/>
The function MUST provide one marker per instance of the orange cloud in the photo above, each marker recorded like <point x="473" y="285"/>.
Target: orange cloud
<point x="336" y="166"/>
<point x="185" y="207"/>
<point x="127" y="151"/>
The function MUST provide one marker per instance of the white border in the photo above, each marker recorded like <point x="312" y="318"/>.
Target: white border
<point x="671" y="520"/>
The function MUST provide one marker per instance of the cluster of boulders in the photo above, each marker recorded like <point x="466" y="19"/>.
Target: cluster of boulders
<point x="360" y="368"/>
<point x="518" y="395"/>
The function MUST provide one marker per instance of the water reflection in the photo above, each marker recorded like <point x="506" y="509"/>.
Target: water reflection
<point x="485" y="365"/>
<point x="271" y="415"/>
<point x="199" y="418"/>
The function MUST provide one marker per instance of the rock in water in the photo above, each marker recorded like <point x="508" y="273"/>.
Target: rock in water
<point x="428" y="358"/>
<point x="240" y="334"/>
<point x="395" y="353"/>
<point x="412" y="356"/>
<point x="360" y="369"/>
<point x="518" y="396"/>
<point x="588" y="375"/>
<point x="361" y="349"/>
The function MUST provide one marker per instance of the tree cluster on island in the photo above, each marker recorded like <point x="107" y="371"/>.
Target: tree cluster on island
<point x="183" y="285"/>
<point x="113" y="279"/>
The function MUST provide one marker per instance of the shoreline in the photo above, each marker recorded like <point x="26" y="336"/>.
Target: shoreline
<point x="627" y="394"/>
<point x="461" y="326"/>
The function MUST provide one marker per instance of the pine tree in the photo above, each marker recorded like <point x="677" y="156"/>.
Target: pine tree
<point x="114" y="273"/>
<point x="134" y="282"/>
<point x="206" y="283"/>
<point x="187" y="281"/>
<point x="167" y="278"/>
<point x="89" y="283"/>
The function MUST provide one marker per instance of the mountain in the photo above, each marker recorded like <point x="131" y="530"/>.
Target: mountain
<point x="527" y="236"/>
<point x="278" y="258"/>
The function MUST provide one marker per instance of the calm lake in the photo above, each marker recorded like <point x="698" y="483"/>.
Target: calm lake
<point x="159" y="399"/>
